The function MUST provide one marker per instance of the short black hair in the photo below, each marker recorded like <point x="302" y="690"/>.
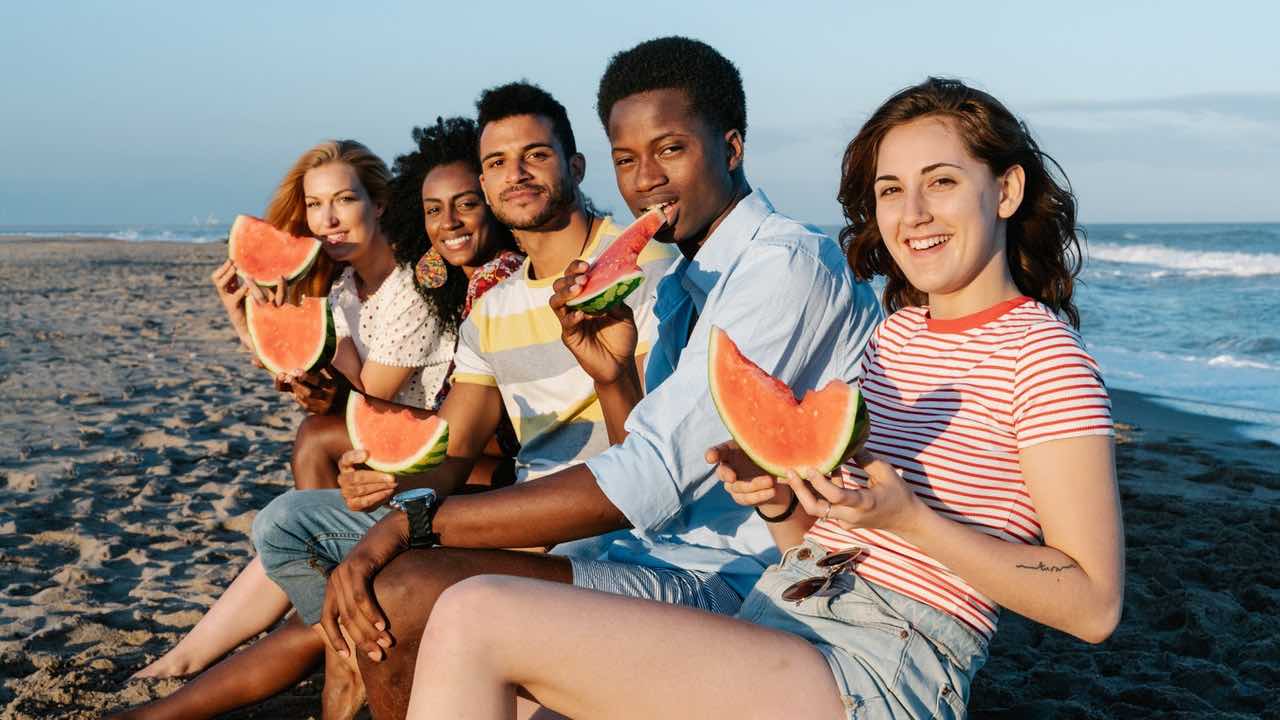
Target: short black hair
<point x="525" y="98"/>
<point x="711" y="82"/>
<point x="448" y="141"/>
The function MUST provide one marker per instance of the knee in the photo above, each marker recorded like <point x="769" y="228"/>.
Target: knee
<point x="462" y="613"/>
<point x="271" y="528"/>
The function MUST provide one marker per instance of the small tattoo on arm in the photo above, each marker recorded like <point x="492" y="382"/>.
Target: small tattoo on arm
<point x="1048" y="568"/>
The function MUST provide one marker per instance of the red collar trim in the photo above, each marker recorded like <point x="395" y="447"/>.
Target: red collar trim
<point x="969" y="322"/>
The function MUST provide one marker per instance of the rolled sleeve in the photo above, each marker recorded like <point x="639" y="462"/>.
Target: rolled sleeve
<point x="783" y="321"/>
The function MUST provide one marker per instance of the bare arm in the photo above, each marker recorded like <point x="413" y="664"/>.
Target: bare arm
<point x="383" y="381"/>
<point x="1074" y="582"/>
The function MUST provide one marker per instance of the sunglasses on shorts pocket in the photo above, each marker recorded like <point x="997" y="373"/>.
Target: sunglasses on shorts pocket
<point x="821" y="586"/>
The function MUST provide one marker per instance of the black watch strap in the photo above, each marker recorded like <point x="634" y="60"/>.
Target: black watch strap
<point x="421" y="513"/>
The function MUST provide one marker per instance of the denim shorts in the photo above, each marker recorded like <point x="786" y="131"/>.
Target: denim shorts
<point x="691" y="588"/>
<point x="891" y="656"/>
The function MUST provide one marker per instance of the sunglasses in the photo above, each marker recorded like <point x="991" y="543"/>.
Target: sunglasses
<point x="821" y="586"/>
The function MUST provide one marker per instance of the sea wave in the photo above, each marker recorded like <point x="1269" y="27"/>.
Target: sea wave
<point x="1187" y="262"/>
<point x="180" y="235"/>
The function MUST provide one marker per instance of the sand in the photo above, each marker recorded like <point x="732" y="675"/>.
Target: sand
<point x="138" y="443"/>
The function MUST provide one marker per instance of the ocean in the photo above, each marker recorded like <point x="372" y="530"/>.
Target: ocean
<point x="1183" y="312"/>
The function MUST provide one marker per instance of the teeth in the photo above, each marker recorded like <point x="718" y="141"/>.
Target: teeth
<point x="458" y="242"/>
<point x="928" y="242"/>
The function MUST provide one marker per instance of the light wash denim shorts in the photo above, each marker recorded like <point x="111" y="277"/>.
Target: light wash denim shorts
<point x="891" y="656"/>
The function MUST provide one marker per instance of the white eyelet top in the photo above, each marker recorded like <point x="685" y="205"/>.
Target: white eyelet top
<point x="395" y="326"/>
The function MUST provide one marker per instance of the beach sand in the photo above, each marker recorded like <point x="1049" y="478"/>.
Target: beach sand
<point x="138" y="443"/>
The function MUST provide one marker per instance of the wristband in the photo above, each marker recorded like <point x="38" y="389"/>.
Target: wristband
<point x="795" y="500"/>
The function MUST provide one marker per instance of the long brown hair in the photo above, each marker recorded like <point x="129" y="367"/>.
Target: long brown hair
<point x="1042" y="239"/>
<point x="287" y="210"/>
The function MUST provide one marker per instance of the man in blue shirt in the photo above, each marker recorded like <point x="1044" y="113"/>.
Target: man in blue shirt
<point x="676" y="119"/>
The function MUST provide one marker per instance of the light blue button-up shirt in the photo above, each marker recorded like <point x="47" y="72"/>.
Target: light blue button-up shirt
<point x="785" y="295"/>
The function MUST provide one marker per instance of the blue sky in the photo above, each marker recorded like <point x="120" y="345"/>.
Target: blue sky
<point x="151" y="112"/>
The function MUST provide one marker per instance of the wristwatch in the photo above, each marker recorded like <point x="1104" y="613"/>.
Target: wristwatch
<point x="420" y="504"/>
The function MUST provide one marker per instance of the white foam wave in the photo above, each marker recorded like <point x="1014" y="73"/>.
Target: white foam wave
<point x="1188" y="262"/>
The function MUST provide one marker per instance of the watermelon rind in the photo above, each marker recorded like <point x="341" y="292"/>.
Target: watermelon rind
<point x="432" y="453"/>
<point x="289" y="276"/>
<point x="854" y="423"/>
<point x="318" y="359"/>
<point x="609" y="297"/>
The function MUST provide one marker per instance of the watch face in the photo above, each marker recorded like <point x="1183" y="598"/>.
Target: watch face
<point x="414" y="494"/>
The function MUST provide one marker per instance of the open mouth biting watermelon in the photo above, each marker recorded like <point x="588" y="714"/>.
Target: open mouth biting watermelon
<point x="400" y="440"/>
<point x="264" y="254"/>
<point x="778" y="433"/>
<point x="614" y="274"/>
<point x="292" y="338"/>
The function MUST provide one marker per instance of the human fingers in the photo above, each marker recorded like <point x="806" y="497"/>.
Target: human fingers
<point x="237" y="297"/>
<point x="329" y="615"/>
<point x="350" y="459"/>
<point x="277" y="294"/>
<point x="361" y="615"/>
<point x="369" y="501"/>
<point x="256" y="293"/>
<point x="716" y="453"/>
<point x="219" y="274"/>
<point x="281" y="382"/>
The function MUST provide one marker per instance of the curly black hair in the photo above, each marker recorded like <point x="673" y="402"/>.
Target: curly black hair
<point x="525" y="98"/>
<point x="711" y="82"/>
<point x="444" y="143"/>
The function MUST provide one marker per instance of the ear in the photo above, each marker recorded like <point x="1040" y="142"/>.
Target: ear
<point x="1012" y="184"/>
<point x="578" y="166"/>
<point x="379" y="209"/>
<point x="484" y="190"/>
<point x="734" y="148"/>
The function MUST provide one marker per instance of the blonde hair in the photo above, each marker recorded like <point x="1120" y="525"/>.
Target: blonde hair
<point x="287" y="210"/>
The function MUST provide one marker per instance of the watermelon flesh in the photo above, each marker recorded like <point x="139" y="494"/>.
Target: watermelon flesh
<point x="264" y="254"/>
<point x="292" y="338"/>
<point x="778" y="433"/>
<point x="614" y="274"/>
<point x="399" y="439"/>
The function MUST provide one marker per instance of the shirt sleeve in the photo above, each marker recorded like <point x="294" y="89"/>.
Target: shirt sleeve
<point x="469" y="364"/>
<point x="405" y="330"/>
<point x="789" y="323"/>
<point x="1057" y="389"/>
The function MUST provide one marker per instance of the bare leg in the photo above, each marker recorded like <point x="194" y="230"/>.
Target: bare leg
<point x="594" y="655"/>
<point x="273" y="664"/>
<point x="251" y="605"/>
<point x="321" y="441"/>
<point x="407" y="589"/>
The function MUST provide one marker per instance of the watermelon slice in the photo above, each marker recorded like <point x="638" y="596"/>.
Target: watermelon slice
<point x="778" y="433"/>
<point x="399" y="439"/>
<point x="292" y="338"/>
<point x="264" y="254"/>
<point x="614" y="274"/>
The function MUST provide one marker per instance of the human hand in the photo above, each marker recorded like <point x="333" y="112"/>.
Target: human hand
<point x="745" y="482"/>
<point x="314" y="391"/>
<point x="348" y="597"/>
<point x="886" y="502"/>
<point x="232" y="292"/>
<point x="604" y="345"/>
<point x="363" y="489"/>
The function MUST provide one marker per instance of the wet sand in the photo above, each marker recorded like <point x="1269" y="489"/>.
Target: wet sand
<point x="138" y="443"/>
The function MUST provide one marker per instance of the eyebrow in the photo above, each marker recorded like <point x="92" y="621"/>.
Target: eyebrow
<point x="338" y="192"/>
<point x="524" y="149"/>
<point x="923" y="171"/>
<point x="464" y="193"/>
<point x="655" y="141"/>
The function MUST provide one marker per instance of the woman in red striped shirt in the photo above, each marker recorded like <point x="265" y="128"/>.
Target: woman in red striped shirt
<point x="988" y="479"/>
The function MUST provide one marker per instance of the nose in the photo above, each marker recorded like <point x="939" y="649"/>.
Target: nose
<point x="450" y="219"/>
<point x="517" y="173"/>
<point x="915" y="210"/>
<point x="327" y="216"/>
<point x="649" y="175"/>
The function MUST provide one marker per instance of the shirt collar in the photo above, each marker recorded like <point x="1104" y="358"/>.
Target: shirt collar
<point x="724" y="245"/>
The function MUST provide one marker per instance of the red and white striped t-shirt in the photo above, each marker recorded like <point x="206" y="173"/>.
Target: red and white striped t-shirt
<point x="951" y="404"/>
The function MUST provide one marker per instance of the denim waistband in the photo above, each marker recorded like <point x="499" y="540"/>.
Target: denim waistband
<point x="947" y="633"/>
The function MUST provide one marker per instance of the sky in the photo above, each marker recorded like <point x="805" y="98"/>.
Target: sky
<point x="161" y="112"/>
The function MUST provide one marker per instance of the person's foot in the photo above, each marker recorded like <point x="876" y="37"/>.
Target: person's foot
<point x="171" y="665"/>
<point x="343" y="693"/>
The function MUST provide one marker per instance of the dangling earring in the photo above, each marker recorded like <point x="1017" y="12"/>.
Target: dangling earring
<point x="431" y="272"/>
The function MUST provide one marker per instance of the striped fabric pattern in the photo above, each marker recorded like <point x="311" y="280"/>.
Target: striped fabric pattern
<point x="952" y="402"/>
<point x="511" y="340"/>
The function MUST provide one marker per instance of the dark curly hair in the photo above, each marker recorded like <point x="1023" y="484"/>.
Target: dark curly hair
<point x="1042" y="238"/>
<point x="525" y="98"/>
<point x="711" y="82"/>
<point x="447" y="142"/>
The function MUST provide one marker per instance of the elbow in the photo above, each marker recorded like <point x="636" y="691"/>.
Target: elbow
<point x="1102" y="623"/>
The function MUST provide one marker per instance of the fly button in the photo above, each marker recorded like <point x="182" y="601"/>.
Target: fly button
<point x="946" y="690"/>
<point x="902" y="634"/>
<point x="804" y="554"/>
